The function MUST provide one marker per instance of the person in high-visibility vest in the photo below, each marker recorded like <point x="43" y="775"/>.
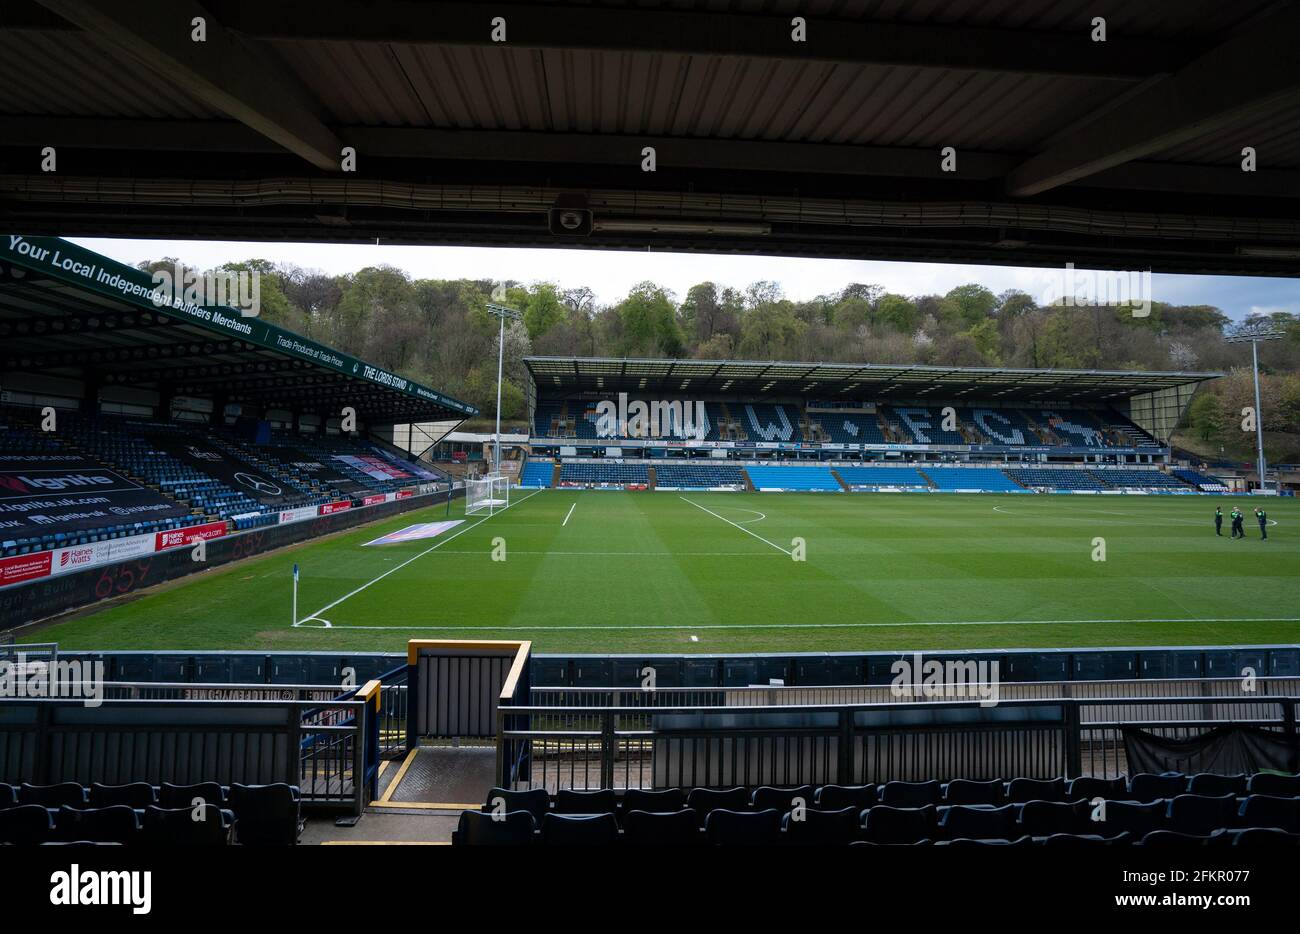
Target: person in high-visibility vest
<point x="1262" y="518"/>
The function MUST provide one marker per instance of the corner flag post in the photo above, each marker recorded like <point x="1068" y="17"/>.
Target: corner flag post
<point x="295" y="595"/>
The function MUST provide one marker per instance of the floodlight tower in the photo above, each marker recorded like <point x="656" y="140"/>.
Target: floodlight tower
<point x="502" y="312"/>
<point x="1252" y="333"/>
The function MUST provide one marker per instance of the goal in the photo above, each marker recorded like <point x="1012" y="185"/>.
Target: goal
<point x="487" y="494"/>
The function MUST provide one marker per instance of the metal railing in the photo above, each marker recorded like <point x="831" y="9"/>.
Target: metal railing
<point x="31" y="651"/>
<point x="394" y="698"/>
<point x="787" y="695"/>
<point x="320" y="745"/>
<point x="719" y="745"/>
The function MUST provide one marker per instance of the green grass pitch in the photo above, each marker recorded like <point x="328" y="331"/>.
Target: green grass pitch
<point x="613" y="572"/>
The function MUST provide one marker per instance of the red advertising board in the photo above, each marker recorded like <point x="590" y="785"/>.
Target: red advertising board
<point x="329" y="508"/>
<point x="174" y="538"/>
<point x="25" y="567"/>
<point x="403" y="494"/>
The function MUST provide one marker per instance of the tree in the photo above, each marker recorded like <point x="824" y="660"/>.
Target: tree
<point x="648" y="322"/>
<point x="701" y="310"/>
<point x="768" y="330"/>
<point x="580" y="300"/>
<point x="969" y="304"/>
<point x="897" y="313"/>
<point x="1013" y="303"/>
<point x="542" y="308"/>
<point x="1206" y="416"/>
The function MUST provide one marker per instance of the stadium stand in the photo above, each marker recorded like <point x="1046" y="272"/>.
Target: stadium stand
<point x="1202" y="482"/>
<point x="252" y="815"/>
<point x="877" y="478"/>
<point x="179" y="474"/>
<point x="1054" y="478"/>
<point x="182" y="461"/>
<point x="998" y="426"/>
<point x="792" y="422"/>
<point x="678" y="476"/>
<point x="1074" y="427"/>
<point x="536" y="474"/>
<point x="793" y="478"/>
<point x="983" y="479"/>
<point x="604" y="475"/>
<point x="849" y="428"/>
<point x="1140" y="480"/>
<point x="769" y="422"/>
<point x="1144" y="810"/>
<point x="923" y="425"/>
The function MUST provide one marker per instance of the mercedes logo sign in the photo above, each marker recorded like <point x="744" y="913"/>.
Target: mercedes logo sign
<point x="265" y="487"/>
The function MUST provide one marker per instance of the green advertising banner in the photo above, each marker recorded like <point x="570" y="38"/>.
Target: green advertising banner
<point x="67" y="262"/>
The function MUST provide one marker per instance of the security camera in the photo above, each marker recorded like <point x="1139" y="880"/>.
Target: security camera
<point x="570" y="217"/>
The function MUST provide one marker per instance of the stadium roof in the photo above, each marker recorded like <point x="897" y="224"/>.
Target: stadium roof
<point x="776" y="379"/>
<point x="68" y="312"/>
<point x="1125" y="153"/>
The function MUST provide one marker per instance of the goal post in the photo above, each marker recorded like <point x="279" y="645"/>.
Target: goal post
<point x="487" y="495"/>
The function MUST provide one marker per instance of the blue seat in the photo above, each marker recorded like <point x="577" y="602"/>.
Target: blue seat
<point x="885" y="824"/>
<point x="475" y="828"/>
<point x="782" y="799"/>
<point x="743" y="828"/>
<point x="911" y="794"/>
<point x="662" y="828"/>
<point x="1147" y="786"/>
<point x="971" y="821"/>
<point x="26" y="825"/>
<point x="964" y="791"/>
<point x="822" y="828"/>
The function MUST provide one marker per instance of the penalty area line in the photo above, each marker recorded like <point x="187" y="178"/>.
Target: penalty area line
<point x="736" y="526"/>
<point x="330" y="606"/>
<point x="709" y="627"/>
<point x="569" y="513"/>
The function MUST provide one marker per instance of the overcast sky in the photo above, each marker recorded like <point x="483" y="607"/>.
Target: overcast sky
<point x="612" y="273"/>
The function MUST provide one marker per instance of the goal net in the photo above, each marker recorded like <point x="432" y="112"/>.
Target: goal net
<point x="487" y="494"/>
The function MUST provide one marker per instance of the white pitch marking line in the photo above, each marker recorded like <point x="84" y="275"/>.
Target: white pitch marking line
<point x="1002" y="622"/>
<point x="623" y="554"/>
<point x="1145" y="520"/>
<point x="393" y="570"/>
<point x="569" y="513"/>
<point x="734" y="525"/>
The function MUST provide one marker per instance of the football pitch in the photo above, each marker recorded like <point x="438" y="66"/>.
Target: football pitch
<point x="643" y="572"/>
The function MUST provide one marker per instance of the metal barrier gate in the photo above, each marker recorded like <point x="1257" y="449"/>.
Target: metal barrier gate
<point x="458" y="686"/>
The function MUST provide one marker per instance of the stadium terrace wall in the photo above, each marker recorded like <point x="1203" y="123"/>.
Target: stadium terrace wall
<point x="50" y="596"/>
<point x="713" y="671"/>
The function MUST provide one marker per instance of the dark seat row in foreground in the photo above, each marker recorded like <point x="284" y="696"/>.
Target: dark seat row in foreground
<point x="1091" y="810"/>
<point x="205" y="814"/>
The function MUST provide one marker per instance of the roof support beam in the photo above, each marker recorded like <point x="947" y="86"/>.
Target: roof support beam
<point x="486" y="146"/>
<point x="225" y="72"/>
<point x="661" y="30"/>
<point x="1252" y="75"/>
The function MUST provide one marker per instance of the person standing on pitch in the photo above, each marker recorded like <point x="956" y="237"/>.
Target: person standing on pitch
<point x="1238" y="517"/>
<point x="1218" y="521"/>
<point x="1262" y="517"/>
